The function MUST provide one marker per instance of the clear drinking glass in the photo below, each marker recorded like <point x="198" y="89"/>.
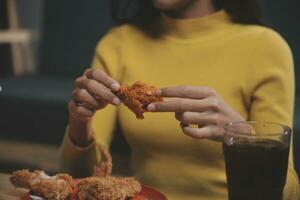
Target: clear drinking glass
<point x="256" y="157"/>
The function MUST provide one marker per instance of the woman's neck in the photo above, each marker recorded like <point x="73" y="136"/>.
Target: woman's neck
<point x="193" y="9"/>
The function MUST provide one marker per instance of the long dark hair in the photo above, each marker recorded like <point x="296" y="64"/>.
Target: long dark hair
<point x="145" y="16"/>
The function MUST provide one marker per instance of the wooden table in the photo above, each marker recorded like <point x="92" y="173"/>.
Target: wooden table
<point x="7" y="190"/>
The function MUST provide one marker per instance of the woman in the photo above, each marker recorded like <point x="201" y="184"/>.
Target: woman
<point x="233" y="69"/>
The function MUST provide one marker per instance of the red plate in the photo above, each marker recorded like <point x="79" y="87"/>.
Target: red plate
<point x="147" y="193"/>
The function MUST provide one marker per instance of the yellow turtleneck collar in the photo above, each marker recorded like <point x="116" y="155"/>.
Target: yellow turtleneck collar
<point x="196" y="27"/>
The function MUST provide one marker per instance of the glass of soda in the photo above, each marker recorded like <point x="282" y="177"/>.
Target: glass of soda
<point x="256" y="159"/>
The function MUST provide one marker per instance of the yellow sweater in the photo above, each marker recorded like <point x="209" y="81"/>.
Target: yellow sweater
<point x="250" y="66"/>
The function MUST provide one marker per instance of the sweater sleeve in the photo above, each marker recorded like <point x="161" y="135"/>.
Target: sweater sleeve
<point x="78" y="161"/>
<point x="272" y="81"/>
<point x="273" y="86"/>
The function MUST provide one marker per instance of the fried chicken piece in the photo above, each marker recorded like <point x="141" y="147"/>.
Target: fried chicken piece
<point x="130" y="185"/>
<point x="66" y="177"/>
<point x="95" y="188"/>
<point x="104" y="169"/>
<point x="104" y="187"/>
<point x="58" y="187"/>
<point x="24" y="178"/>
<point x="52" y="189"/>
<point x="108" y="188"/>
<point x="138" y="96"/>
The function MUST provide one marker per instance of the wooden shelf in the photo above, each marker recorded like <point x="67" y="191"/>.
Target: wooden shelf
<point x="15" y="36"/>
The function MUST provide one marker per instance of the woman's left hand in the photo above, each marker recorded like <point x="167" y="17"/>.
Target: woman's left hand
<point x="200" y="106"/>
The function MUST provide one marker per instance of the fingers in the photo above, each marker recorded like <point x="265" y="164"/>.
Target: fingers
<point x="80" y="111"/>
<point x="97" y="90"/>
<point x="198" y="133"/>
<point x="93" y="91"/>
<point x="187" y="92"/>
<point x="102" y="77"/>
<point x="182" y="105"/>
<point x="200" y="119"/>
<point x="86" y="99"/>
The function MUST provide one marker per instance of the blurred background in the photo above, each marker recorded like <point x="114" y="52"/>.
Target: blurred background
<point x="45" y="45"/>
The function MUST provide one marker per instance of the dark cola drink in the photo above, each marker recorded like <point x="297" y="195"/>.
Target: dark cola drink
<point x="256" y="170"/>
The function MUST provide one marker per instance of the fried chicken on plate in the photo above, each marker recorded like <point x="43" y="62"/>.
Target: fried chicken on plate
<point x="101" y="186"/>
<point x="24" y="178"/>
<point x="52" y="189"/>
<point x="58" y="187"/>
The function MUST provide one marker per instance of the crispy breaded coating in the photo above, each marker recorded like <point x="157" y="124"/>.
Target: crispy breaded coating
<point x="24" y="178"/>
<point x="104" y="187"/>
<point x="66" y="177"/>
<point x="95" y="188"/>
<point x="131" y="186"/>
<point x="52" y="189"/>
<point x="108" y="188"/>
<point x="57" y="187"/>
<point x="138" y="96"/>
<point x="105" y="167"/>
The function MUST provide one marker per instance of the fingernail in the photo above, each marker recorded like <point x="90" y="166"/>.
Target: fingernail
<point x="115" y="86"/>
<point x="116" y="101"/>
<point x="151" y="107"/>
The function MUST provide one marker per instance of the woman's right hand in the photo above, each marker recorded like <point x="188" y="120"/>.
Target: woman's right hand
<point x="93" y="91"/>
